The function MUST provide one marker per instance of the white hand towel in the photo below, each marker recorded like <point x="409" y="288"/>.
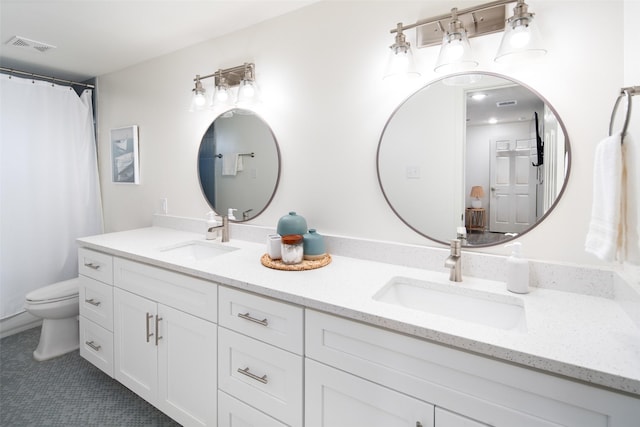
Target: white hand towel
<point x="630" y="195"/>
<point x="604" y="235"/>
<point x="230" y="164"/>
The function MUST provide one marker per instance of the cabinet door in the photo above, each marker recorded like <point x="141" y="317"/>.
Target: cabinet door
<point x="335" y="399"/>
<point x="186" y="367"/>
<point x="135" y="351"/>
<point x="444" y="418"/>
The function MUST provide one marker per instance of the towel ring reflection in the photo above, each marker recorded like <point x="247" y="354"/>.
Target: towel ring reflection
<point x="628" y="92"/>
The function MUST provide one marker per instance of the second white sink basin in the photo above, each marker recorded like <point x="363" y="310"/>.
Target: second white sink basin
<point x="196" y="250"/>
<point x="499" y="311"/>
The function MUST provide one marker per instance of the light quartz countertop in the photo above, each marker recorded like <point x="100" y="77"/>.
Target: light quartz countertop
<point x="586" y="338"/>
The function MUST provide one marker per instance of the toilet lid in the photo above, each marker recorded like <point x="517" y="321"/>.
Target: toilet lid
<point x="56" y="291"/>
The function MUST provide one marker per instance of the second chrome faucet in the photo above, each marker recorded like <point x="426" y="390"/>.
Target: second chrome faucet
<point x="454" y="261"/>
<point x="224" y="229"/>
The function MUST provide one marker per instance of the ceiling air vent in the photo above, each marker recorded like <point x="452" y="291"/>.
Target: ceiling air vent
<point x="24" y="42"/>
<point x="506" y="103"/>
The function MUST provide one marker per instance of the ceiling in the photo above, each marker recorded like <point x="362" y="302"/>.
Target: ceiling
<point x="96" y="37"/>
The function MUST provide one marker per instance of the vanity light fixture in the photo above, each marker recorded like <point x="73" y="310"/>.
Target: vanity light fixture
<point x="242" y="76"/>
<point x="248" y="93"/>
<point x="401" y="62"/>
<point x="198" y="101"/>
<point x="521" y="35"/>
<point x="222" y="95"/>
<point x="455" y="53"/>
<point x="451" y="31"/>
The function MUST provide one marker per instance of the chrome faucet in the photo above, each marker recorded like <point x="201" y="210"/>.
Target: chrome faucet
<point x="245" y="214"/>
<point x="224" y="228"/>
<point x="454" y="261"/>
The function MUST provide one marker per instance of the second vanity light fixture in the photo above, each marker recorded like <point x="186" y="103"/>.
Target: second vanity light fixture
<point x="242" y="76"/>
<point x="521" y="37"/>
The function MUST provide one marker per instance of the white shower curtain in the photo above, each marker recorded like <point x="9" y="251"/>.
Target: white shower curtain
<point x="49" y="188"/>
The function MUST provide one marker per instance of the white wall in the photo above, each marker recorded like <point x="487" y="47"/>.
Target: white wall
<point x="320" y="71"/>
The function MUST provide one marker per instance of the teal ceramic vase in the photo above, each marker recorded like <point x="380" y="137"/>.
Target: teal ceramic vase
<point x="314" y="247"/>
<point x="291" y="224"/>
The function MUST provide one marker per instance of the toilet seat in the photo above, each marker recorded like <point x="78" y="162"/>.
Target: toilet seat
<point x="59" y="291"/>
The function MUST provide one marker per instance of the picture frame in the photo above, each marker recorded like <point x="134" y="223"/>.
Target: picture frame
<point x="125" y="168"/>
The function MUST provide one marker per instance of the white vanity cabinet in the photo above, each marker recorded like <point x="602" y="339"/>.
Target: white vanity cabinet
<point x="260" y="362"/>
<point x="95" y="292"/>
<point x="465" y="389"/>
<point x="165" y="340"/>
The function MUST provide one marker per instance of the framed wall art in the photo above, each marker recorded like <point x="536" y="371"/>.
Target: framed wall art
<point x="124" y="155"/>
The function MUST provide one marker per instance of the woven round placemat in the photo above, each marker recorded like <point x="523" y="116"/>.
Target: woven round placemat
<point x="304" y="265"/>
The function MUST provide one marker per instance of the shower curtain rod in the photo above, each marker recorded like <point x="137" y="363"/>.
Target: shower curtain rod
<point x="50" y="78"/>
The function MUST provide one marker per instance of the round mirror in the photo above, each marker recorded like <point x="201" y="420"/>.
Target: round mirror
<point x="239" y="164"/>
<point x="484" y="159"/>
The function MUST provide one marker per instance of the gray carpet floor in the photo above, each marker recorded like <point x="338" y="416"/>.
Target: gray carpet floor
<point x="66" y="391"/>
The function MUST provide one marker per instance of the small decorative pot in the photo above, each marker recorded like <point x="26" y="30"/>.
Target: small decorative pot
<point x="314" y="247"/>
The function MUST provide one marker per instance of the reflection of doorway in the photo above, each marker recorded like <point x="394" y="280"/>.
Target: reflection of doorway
<point x="513" y="185"/>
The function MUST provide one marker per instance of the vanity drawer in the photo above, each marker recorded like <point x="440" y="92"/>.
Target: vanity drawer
<point x="96" y="302"/>
<point x="96" y="345"/>
<point x="486" y="390"/>
<point x="186" y="293"/>
<point x="267" y="320"/>
<point x="263" y="376"/>
<point x="233" y="413"/>
<point x="96" y="265"/>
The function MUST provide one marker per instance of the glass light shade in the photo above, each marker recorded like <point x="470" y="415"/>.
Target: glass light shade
<point x="521" y="40"/>
<point x="221" y="97"/>
<point x="455" y="54"/>
<point x="198" y="101"/>
<point x="400" y="63"/>
<point x="248" y="94"/>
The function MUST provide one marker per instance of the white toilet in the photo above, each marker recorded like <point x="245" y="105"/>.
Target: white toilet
<point x="58" y="306"/>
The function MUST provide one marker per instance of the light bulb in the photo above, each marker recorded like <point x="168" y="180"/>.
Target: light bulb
<point x="199" y="100"/>
<point x="248" y="91"/>
<point x="520" y="37"/>
<point x="222" y="95"/>
<point x="455" y="51"/>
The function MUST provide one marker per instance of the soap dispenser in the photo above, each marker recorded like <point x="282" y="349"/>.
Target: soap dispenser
<point x="517" y="270"/>
<point x="230" y="214"/>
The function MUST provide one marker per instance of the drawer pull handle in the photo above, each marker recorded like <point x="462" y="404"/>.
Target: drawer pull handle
<point x="92" y="266"/>
<point x="93" y="302"/>
<point x="246" y="316"/>
<point x="149" y="334"/>
<point x="158" y="337"/>
<point x="245" y="371"/>
<point x="93" y="346"/>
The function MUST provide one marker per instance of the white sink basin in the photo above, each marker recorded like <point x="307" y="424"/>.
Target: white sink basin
<point x="469" y="305"/>
<point x="196" y="250"/>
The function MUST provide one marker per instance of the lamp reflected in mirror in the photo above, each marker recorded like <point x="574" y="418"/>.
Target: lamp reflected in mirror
<point x="477" y="193"/>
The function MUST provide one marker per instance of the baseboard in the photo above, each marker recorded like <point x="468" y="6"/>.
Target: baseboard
<point x="18" y="323"/>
